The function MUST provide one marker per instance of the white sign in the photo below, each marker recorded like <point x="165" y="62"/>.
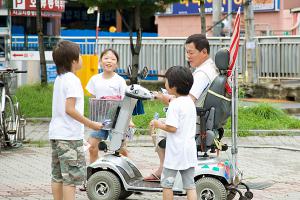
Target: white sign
<point x="250" y="45"/>
<point x="30" y="55"/>
<point x="19" y="4"/>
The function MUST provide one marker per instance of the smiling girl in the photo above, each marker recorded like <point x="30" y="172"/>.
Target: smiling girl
<point x="101" y="85"/>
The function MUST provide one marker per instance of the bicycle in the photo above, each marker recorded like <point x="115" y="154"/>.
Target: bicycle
<point x="12" y="123"/>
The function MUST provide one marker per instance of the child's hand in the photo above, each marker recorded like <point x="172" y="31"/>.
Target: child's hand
<point x="96" y="126"/>
<point x="157" y="95"/>
<point x="131" y="124"/>
<point x="155" y="123"/>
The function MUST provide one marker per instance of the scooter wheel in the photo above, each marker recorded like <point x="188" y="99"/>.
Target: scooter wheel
<point x="210" y="188"/>
<point x="249" y="195"/>
<point x="243" y="198"/>
<point x="103" y="185"/>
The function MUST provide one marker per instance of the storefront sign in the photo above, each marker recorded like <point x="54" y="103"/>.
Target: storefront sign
<point x="192" y="6"/>
<point x="30" y="55"/>
<point x="46" y="5"/>
<point x="32" y="13"/>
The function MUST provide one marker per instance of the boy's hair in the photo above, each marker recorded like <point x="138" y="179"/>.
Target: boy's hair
<point x="200" y="42"/>
<point x="111" y="50"/>
<point x="64" y="53"/>
<point x="181" y="78"/>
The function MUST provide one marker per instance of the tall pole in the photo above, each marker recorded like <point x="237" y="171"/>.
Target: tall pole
<point x="250" y="42"/>
<point x="234" y="117"/>
<point x="229" y="11"/>
<point x="202" y="16"/>
<point x="97" y="29"/>
<point x="217" y="6"/>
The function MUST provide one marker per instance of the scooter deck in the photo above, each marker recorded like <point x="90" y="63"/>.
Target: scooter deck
<point x="146" y="186"/>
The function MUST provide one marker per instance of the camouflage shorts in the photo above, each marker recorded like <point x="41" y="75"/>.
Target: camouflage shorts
<point x="68" y="162"/>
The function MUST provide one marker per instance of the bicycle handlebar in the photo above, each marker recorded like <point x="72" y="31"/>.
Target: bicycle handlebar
<point x="20" y="72"/>
<point x="11" y="70"/>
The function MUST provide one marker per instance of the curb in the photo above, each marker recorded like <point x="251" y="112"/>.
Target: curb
<point x="38" y="119"/>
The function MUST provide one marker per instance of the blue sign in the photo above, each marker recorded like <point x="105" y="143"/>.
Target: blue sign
<point x="51" y="72"/>
<point x="193" y="6"/>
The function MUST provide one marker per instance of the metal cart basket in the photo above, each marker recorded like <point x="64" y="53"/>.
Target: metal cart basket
<point x="101" y="110"/>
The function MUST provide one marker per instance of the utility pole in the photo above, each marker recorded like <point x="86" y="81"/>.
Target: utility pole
<point x="202" y="16"/>
<point x="229" y="19"/>
<point x="217" y="6"/>
<point x="250" y="42"/>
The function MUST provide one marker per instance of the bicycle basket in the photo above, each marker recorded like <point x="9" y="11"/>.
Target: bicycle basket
<point x="10" y="80"/>
<point x="103" y="109"/>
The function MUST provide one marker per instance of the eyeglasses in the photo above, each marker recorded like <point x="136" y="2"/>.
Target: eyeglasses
<point x="192" y="52"/>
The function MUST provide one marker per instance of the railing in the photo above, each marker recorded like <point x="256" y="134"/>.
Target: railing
<point x="161" y="53"/>
<point x="277" y="56"/>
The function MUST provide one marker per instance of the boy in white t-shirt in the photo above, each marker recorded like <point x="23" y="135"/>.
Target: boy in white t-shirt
<point x="66" y="129"/>
<point x="180" y="125"/>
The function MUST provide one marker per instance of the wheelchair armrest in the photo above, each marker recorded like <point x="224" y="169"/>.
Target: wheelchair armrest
<point x="200" y="111"/>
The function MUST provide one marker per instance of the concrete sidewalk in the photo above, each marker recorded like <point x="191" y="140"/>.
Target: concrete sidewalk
<point x="271" y="171"/>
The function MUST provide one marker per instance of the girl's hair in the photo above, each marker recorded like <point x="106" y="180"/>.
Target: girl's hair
<point x="64" y="53"/>
<point x="111" y="50"/>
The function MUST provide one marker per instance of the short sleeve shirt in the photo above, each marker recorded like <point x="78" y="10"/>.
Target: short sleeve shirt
<point x="63" y="126"/>
<point x="181" y="151"/>
<point x="203" y="77"/>
<point x="99" y="86"/>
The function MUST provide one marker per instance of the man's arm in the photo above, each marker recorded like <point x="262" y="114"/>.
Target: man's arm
<point x="193" y="98"/>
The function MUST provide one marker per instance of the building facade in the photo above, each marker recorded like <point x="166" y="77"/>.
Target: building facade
<point x="271" y="17"/>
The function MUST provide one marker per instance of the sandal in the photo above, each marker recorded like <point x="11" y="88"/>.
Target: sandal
<point x="152" y="178"/>
<point x="82" y="188"/>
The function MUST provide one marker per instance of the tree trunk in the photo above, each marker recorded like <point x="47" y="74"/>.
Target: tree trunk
<point x="202" y="15"/>
<point x="135" y="50"/>
<point x="39" y="27"/>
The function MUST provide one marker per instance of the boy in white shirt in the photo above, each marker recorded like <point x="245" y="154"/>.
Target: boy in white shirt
<point x="66" y="129"/>
<point x="180" y="125"/>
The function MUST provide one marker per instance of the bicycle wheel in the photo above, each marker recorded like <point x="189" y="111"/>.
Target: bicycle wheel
<point x="9" y="122"/>
<point x="1" y="135"/>
<point x="20" y="124"/>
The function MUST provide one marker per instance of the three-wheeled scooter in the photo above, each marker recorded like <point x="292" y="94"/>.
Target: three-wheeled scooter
<point x="114" y="176"/>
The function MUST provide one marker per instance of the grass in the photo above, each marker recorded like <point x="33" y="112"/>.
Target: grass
<point x="36" y="101"/>
<point x="150" y="108"/>
<point x="38" y="143"/>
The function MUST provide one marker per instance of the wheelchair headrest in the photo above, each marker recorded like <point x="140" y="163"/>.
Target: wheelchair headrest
<point x="222" y="59"/>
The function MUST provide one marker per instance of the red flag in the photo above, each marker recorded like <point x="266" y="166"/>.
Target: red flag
<point x="233" y="49"/>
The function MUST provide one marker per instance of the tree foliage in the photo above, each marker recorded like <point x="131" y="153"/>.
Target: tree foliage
<point x="132" y="12"/>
